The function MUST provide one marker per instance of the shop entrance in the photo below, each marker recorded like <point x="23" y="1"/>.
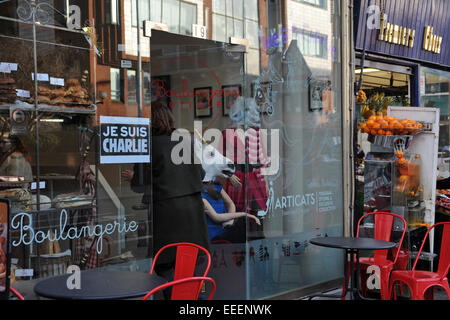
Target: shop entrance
<point x="202" y="81"/>
<point x="391" y="80"/>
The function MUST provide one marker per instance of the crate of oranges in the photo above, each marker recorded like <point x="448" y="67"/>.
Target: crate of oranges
<point x="390" y="126"/>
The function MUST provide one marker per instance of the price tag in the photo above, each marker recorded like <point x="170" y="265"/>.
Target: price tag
<point x="41" y="77"/>
<point x="57" y="81"/>
<point x="23" y="272"/>
<point x="7" y="67"/>
<point x="23" y="93"/>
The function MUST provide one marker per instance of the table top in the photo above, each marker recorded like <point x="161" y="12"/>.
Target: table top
<point x="99" y="285"/>
<point x="353" y="243"/>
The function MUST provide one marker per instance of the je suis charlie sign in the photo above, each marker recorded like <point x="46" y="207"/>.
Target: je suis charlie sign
<point x="124" y="140"/>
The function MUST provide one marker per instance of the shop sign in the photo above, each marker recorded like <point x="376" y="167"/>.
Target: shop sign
<point x="396" y="34"/>
<point x="124" y="140"/>
<point x="431" y="42"/>
<point x="126" y="64"/>
<point x="27" y="234"/>
<point x="19" y="121"/>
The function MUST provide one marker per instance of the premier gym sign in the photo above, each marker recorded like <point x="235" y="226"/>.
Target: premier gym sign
<point x="400" y="35"/>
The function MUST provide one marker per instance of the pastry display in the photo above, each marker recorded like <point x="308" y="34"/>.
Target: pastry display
<point x="71" y="95"/>
<point x="7" y="90"/>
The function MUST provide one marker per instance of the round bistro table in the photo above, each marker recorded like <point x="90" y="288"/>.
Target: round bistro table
<point x="352" y="246"/>
<point x="99" y="285"/>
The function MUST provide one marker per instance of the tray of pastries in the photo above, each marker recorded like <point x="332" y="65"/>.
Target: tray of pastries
<point x="72" y="95"/>
<point x="7" y="90"/>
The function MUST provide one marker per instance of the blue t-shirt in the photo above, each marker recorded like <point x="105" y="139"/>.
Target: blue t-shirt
<point x="214" y="229"/>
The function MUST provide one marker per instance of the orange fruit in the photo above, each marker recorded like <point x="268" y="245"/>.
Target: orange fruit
<point x="381" y="132"/>
<point x="370" y="123"/>
<point x="403" y="178"/>
<point x="384" y="124"/>
<point x="404" y="121"/>
<point x="397" y="125"/>
<point x="376" y="125"/>
<point x="402" y="162"/>
<point x="373" y="118"/>
<point x="419" y="125"/>
<point x="389" y="133"/>
<point x="399" y="154"/>
<point x="379" y="118"/>
<point x="373" y="132"/>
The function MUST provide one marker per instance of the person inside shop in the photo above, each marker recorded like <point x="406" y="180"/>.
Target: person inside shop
<point x="360" y="155"/>
<point x="224" y="223"/>
<point x="178" y="214"/>
<point x="14" y="158"/>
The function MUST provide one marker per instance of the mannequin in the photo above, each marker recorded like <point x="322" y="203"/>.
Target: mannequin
<point x="246" y="148"/>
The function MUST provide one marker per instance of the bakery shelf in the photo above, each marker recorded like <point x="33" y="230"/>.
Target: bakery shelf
<point x="86" y="109"/>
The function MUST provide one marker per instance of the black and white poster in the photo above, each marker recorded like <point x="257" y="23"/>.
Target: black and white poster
<point x="124" y="140"/>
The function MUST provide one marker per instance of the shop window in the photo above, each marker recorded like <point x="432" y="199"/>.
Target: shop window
<point x="318" y="3"/>
<point x="115" y="84"/>
<point x="435" y="94"/>
<point x="312" y="44"/>
<point x="112" y="11"/>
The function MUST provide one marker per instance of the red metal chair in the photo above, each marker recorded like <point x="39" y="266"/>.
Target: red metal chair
<point x="419" y="281"/>
<point x="185" y="289"/>
<point x="16" y="293"/>
<point x="187" y="255"/>
<point x="386" y="260"/>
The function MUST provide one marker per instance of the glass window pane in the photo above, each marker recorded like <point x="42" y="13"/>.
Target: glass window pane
<point x="131" y="83"/>
<point x="155" y="10"/>
<point x="238" y="29"/>
<point x="188" y="17"/>
<point x="230" y="28"/>
<point x="251" y="9"/>
<point x="133" y="13"/>
<point x="219" y="28"/>
<point x="251" y="33"/>
<point x="115" y="84"/>
<point x="171" y="15"/>
<point x="114" y="11"/>
<point x="238" y="9"/>
<point x="218" y="6"/>
<point x="144" y="10"/>
<point x="229" y="8"/>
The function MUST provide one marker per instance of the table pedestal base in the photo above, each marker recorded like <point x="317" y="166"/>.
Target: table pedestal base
<point x="354" y="286"/>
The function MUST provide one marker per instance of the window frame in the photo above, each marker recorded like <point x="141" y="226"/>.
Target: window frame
<point x="323" y="39"/>
<point x="323" y="6"/>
